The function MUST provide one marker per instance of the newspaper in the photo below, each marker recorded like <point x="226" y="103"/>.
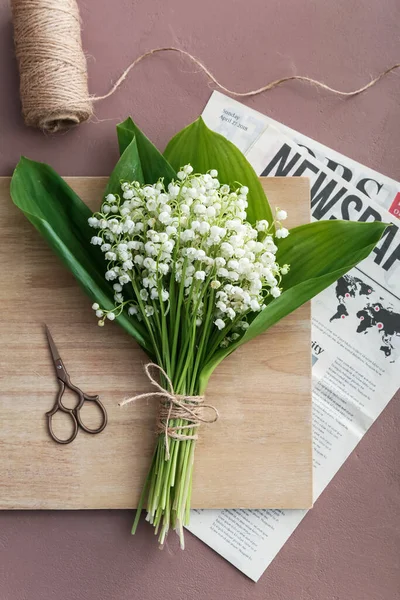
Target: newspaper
<point x="355" y="326"/>
<point x="243" y="126"/>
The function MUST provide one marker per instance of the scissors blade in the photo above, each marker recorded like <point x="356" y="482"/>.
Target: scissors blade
<point x="53" y="348"/>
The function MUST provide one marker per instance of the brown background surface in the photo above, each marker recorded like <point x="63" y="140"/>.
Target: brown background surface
<point x="348" y="546"/>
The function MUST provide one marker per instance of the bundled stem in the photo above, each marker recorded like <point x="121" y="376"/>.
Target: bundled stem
<point x="169" y="482"/>
<point x="168" y="487"/>
<point x="196" y="268"/>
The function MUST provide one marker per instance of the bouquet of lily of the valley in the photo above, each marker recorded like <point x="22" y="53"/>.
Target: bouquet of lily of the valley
<point x="187" y="255"/>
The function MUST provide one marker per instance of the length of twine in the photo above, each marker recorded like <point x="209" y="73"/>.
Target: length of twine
<point x="175" y="407"/>
<point x="269" y="86"/>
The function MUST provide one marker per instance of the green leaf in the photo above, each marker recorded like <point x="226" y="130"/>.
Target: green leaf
<point x="154" y="165"/>
<point x="204" y="150"/>
<point x="128" y="168"/>
<point x="318" y="253"/>
<point x="61" y="217"/>
<point x="316" y="248"/>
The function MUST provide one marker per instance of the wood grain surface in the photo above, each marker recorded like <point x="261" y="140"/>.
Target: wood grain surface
<point x="257" y="455"/>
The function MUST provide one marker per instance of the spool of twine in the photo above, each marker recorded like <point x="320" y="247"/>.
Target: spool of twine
<point x="52" y="66"/>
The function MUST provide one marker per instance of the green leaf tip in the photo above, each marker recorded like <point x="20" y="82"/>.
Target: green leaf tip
<point x="205" y="149"/>
<point x="153" y="164"/>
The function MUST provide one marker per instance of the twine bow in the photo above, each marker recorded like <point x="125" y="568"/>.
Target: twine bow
<point x="175" y="407"/>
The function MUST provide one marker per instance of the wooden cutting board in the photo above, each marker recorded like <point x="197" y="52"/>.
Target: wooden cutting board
<point x="257" y="455"/>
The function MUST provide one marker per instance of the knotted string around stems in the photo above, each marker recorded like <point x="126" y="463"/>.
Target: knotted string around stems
<point x="175" y="407"/>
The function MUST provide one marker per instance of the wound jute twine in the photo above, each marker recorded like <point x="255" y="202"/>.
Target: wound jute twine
<point x="53" y="73"/>
<point x="174" y="408"/>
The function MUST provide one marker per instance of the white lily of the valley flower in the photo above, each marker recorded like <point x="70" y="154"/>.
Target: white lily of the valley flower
<point x="275" y="292"/>
<point x="282" y="232"/>
<point x="219" y="323"/>
<point x="149" y="235"/>
<point x="281" y="215"/>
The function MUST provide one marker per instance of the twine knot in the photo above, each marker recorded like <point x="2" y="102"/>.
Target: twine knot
<point x="175" y="407"/>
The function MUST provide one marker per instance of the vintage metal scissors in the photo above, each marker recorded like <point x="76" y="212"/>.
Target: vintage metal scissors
<point x="64" y="381"/>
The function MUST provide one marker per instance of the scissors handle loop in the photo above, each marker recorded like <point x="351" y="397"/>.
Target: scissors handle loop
<point x="95" y="400"/>
<point x="70" y="411"/>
